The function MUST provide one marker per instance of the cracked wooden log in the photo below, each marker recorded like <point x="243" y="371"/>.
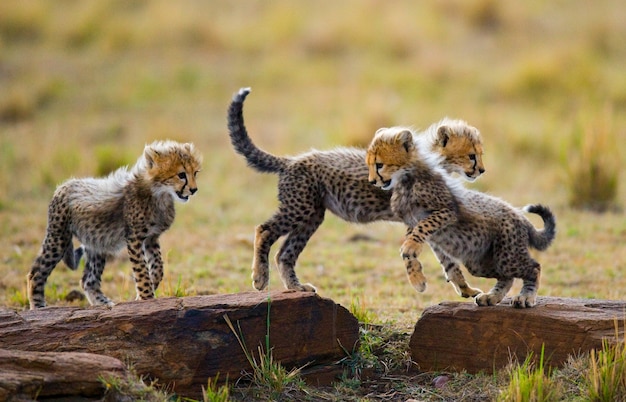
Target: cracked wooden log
<point x="460" y="336"/>
<point x="184" y="341"/>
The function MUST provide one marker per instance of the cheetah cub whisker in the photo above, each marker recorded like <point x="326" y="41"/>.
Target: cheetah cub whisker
<point x="129" y="208"/>
<point x="486" y="234"/>
<point x="337" y="180"/>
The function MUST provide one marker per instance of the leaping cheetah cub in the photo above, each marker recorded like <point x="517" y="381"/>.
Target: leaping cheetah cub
<point x="126" y="209"/>
<point x="486" y="234"/>
<point x="312" y="182"/>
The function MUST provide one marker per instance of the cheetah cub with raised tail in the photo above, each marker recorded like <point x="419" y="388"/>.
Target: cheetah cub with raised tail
<point x="336" y="180"/>
<point x="486" y="234"/>
<point x="129" y="208"/>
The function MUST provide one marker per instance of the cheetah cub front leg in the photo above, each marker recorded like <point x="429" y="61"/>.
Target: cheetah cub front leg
<point x="410" y="252"/>
<point x="263" y="240"/>
<point x="141" y="272"/>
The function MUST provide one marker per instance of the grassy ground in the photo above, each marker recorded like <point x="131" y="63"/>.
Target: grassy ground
<point x="84" y="86"/>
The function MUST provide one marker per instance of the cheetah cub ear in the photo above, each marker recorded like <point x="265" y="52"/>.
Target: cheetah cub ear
<point x="380" y="130"/>
<point x="151" y="155"/>
<point x="405" y="138"/>
<point x="195" y="154"/>
<point x="443" y="135"/>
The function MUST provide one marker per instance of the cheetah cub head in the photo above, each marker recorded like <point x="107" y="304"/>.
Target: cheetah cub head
<point x="452" y="145"/>
<point x="461" y="147"/>
<point x="171" y="168"/>
<point x="389" y="152"/>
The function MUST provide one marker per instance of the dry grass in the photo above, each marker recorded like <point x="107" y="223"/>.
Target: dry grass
<point x="86" y="85"/>
<point x="594" y="175"/>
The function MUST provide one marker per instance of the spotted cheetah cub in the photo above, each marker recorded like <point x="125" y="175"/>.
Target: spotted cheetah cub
<point x="128" y="208"/>
<point x="335" y="180"/>
<point x="486" y="234"/>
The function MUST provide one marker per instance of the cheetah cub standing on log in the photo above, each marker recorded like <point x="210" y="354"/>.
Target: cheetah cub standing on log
<point x="127" y="208"/>
<point x="311" y="183"/>
<point x="486" y="234"/>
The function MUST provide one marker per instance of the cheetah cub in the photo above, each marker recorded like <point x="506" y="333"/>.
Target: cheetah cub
<point x="336" y="180"/>
<point x="129" y="208"/>
<point x="486" y="234"/>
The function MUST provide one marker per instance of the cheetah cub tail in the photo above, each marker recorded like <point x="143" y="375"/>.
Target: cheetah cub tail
<point x="241" y="95"/>
<point x="541" y="239"/>
<point x="243" y="145"/>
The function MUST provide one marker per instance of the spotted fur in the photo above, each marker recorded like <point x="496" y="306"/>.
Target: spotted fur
<point x="486" y="234"/>
<point x="311" y="183"/>
<point x="129" y="208"/>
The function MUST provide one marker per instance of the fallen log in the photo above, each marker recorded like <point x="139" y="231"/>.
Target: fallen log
<point x="30" y="375"/>
<point x="182" y="342"/>
<point x="460" y="336"/>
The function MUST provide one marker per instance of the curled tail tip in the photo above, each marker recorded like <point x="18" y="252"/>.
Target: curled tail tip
<point x="541" y="210"/>
<point x="543" y="238"/>
<point x="537" y="209"/>
<point x="529" y="208"/>
<point x="241" y="95"/>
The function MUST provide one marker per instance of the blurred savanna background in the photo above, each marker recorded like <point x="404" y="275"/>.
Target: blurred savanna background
<point x="85" y="84"/>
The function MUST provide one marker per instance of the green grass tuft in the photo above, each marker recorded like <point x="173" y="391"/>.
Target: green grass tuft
<point x="267" y="373"/>
<point x="215" y="392"/>
<point x="606" y="379"/>
<point x="17" y="297"/>
<point x="530" y="383"/>
<point x="358" y="309"/>
<point x="179" y="290"/>
<point x="133" y="387"/>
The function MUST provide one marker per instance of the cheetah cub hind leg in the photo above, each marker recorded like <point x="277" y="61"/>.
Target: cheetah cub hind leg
<point x="453" y="274"/>
<point x="460" y="285"/>
<point x="91" y="280"/>
<point x="97" y="298"/>
<point x="527" y="297"/>
<point x="290" y="279"/>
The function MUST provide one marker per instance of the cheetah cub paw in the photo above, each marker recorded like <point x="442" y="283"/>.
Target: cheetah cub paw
<point x="487" y="299"/>
<point x="260" y="279"/>
<point x="415" y="274"/>
<point x="108" y="303"/>
<point x="524" y="300"/>
<point x="306" y="287"/>
<point x="468" y="292"/>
